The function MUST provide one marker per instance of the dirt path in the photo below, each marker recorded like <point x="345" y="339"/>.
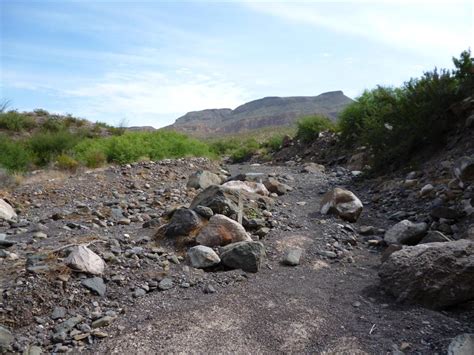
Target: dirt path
<point x="321" y="306"/>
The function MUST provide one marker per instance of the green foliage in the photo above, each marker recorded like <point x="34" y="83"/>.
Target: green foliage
<point x="239" y="150"/>
<point x="274" y="143"/>
<point x="47" y="146"/>
<point x="397" y="122"/>
<point x="66" y="162"/>
<point x="14" y="155"/>
<point x="15" y="121"/>
<point x="309" y="127"/>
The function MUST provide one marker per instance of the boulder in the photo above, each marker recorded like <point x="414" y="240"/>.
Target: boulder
<point x="202" y="179"/>
<point x="358" y="161"/>
<point x="273" y="185"/>
<point x="83" y="259"/>
<point x="223" y="200"/>
<point x="314" y="168"/>
<point x="436" y="275"/>
<point x="247" y="186"/>
<point x="247" y="256"/>
<point x="201" y="257"/>
<point x="405" y="232"/>
<point x="221" y="230"/>
<point x="463" y="169"/>
<point x="462" y="345"/>
<point x="183" y="222"/>
<point x="6" y="211"/>
<point x="343" y="203"/>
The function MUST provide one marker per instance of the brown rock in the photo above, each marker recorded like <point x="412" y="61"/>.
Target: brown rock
<point x="221" y="230"/>
<point x="343" y="203"/>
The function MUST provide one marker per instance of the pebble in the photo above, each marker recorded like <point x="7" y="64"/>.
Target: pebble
<point x="165" y="284"/>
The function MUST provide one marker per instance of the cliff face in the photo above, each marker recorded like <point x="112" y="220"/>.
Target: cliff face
<point x="266" y="112"/>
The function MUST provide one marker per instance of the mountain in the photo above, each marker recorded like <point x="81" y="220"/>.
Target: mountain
<point x="266" y="112"/>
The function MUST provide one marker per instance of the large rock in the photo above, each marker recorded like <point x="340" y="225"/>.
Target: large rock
<point x="221" y="230"/>
<point x="6" y="211"/>
<point x="462" y="345"/>
<point x="343" y="203"/>
<point x="463" y="169"/>
<point x="358" y="161"/>
<point x="223" y="200"/>
<point x="436" y="275"/>
<point x="83" y="259"/>
<point x="201" y="257"/>
<point x="247" y="256"/>
<point x="183" y="222"/>
<point x="275" y="186"/>
<point x="406" y="232"/>
<point x="202" y="179"/>
<point x="247" y="186"/>
<point x="96" y="285"/>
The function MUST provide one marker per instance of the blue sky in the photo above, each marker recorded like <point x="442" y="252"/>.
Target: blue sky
<point x="149" y="62"/>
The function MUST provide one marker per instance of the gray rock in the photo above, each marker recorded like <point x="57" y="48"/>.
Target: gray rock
<point x="7" y="212"/>
<point x="434" y="237"/>
<point x="33" y="350"/>
<point x="96" y="285"/>
<point x="445" y="212"/>
<point x="462" y="345"/>
<point x="328" y="254"/>
<point x="203" y="179"/>
<point x="221" y="230"/>
<point x="247" y="256"/>
<point x="342" y="203"/>
<point x="292" y="257"/>
<point x="166" y="284"/>
<point x="58" y="312"/>
<point x="426" y="190"/>
<point x="201" y="257"/>
<point x="102" y="322"/>
<point x="203" y="211"/>
<point x="68" y="324"/>
<point x="405" y="232"/>
<point x="436" y="275"/>
<point x="183" y="222"/>
<point x="6" y="338"/>
<point x="139" y="292"/>
<point x="314" y="168"/>
<point x="209" y="289"/>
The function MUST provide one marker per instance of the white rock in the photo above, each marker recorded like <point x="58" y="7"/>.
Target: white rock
<point x="6" y="211"/>
<point x="426" y="190"/>
<point x="343" y="203"/>
<point x="247" y="186"/>
<point x="462" y="345"/>
<point x="85" y="260"/>
<point x="201" y="257"/>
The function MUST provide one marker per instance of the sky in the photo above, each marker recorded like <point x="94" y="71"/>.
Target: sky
<point x="149" y="62"/>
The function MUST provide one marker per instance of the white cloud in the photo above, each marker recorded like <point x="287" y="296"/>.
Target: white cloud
<point x="413" y="26"/>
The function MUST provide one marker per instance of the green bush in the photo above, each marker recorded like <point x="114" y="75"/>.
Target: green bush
<point x="53" y="124"/>
<point x="66" y="162"/>
<point x="245" y="151"/>
<point x="47" y="146"/>
<point x="395" y="123"/>
<point x="15" y="121"/>
<point x="275" y="142"/>
<point x="14" y="155"/>
<point x="309" y="127"/>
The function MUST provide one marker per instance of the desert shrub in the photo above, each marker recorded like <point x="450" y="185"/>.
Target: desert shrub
<point x="246" y="150"/>
<point x="46" y="146"/>
<point x="274" y="143"/>
<point x="66" y="162"/>
<point x="53" y="124"/>
<point x="15" y="121"/>
<point x="41" y="112"/>
<point x="309" y="127"/>
<point x="14" y="156"/>
<point x="397" y="122"/>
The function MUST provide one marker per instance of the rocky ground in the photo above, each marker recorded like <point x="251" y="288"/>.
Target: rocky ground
<point x="150" y="299"/>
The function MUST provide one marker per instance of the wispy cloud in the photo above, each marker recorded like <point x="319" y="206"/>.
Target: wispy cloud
<point x="413" y="25"/>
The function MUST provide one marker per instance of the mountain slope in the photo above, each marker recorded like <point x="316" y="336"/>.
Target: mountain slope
<point x="266" y="112"/>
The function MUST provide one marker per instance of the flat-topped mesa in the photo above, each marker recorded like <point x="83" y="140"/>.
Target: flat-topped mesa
<point x="270" y="111"/>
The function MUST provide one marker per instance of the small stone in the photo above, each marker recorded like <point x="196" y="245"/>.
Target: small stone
<point x="124" y="221"/>
<point x="6" y="338"/>
<point x="327" y="254"/>
<point x="292" y="257"/>
<point x="96" y="285"/>
<point x="209" y="289"/>
<point x="40" y="235"/>
<point x="139" y="292"/>
<point x="102" y="322"/>
<point x="201" y="256"/>
<point x="166" y="284"/>
<point x="426" y="190"/>
<point x="356" y="304"/>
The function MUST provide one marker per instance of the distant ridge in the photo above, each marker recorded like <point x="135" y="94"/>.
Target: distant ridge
<point x="265" y="112"/>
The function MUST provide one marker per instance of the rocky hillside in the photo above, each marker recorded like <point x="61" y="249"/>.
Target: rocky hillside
<point x="266" y="112"/>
